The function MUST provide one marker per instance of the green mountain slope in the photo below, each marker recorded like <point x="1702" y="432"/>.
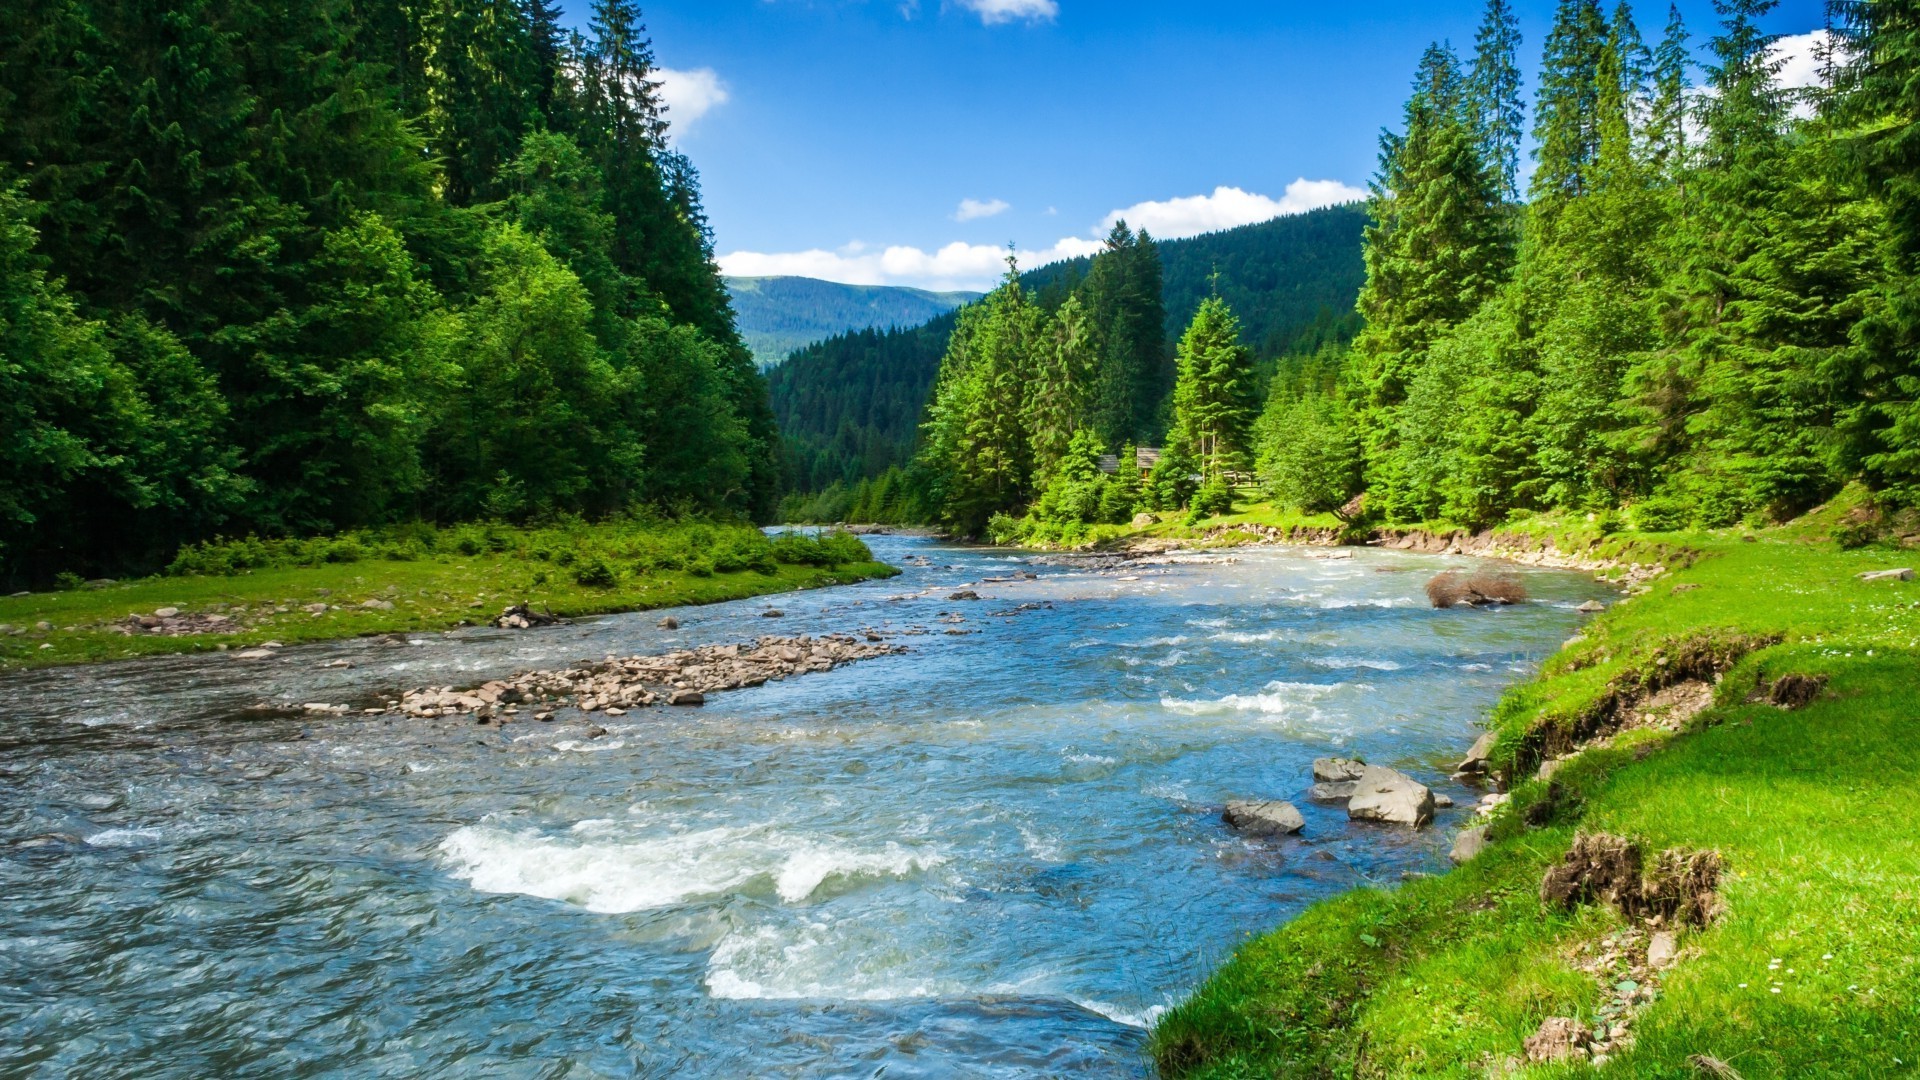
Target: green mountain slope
<point x="849" y="406"/>
<point x="778" y="315"/>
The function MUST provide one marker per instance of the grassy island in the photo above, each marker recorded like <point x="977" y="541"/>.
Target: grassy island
<point x="1756" y="706"/>
<point x="240" y="594"/>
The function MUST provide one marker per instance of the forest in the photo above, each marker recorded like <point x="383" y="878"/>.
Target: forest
<point x="293" y="269"/>
<point x="850" y="407"/>
<point x="1701" y="311"/>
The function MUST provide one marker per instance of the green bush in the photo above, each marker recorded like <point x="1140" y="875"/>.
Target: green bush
<point x="1661" y="513"/>
<point x="594" y="572"/>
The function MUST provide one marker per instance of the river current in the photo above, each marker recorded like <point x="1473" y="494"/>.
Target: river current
<point x="998" y="855"/>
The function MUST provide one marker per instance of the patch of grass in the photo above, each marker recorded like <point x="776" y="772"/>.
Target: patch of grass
<point x="1813" y="969"/>
<point x="460" y="577"/>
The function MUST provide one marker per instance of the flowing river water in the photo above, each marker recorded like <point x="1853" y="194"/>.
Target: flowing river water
<point x="998" y="855"/>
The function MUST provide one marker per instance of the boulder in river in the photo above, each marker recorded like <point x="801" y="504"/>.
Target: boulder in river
<point x="1257" y="817"/>
<point x="1386" y="795"/>
<point x="1476" y="759"/>
<point x="1331" y="791"/>
<point x="687" y="697"/>
<point x="669" y="623"/>
<point x="1336" y="770"/>
<point x="1592" y="607"/>
<point x="965" y="594"/>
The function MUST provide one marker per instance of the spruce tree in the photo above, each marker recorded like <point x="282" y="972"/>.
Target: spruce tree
<point x="1494" y="106"/>
<point x="1213" y="398"/>
<point x="1566" y="119"/>
<point x="1666" y="132"/>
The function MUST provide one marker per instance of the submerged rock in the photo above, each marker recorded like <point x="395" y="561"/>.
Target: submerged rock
<point x="1263" y="817"/>
<point x="1386" y="795"/>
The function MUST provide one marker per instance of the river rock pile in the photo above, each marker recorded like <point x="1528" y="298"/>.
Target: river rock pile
<point x="173" y="622"/>
<point x="615" y="684"/>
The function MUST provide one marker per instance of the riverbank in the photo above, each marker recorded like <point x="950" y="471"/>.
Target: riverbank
<point x="462" y="578"/>
<point x="1749" y="708"/>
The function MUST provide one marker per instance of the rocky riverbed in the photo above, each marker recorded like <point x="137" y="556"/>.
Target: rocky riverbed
<point x="617" y="684"/>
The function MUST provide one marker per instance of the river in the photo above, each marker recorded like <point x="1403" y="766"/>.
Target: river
<point x="998" y="855"/>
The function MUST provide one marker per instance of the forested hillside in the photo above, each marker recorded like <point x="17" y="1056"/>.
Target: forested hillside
<point x="850" y="408"/>
<point x="1705" y="311"/>
<point x="778" y="315"/>
<point x="293" y="268"/>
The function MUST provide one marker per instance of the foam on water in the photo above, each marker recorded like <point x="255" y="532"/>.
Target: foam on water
<point x="1353" y="662"/>
<point x="610" y="876"/>
<point x="1284" y="699"/>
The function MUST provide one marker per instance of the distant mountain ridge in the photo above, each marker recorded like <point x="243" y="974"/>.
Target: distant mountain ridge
<point x="778" y="315"/>
<point x="849" y="406"/>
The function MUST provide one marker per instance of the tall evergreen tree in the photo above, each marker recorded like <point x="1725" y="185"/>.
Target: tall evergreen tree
<point x="1213" y="399"/>
<point x="1566" y="115"/>
<point x="1666" y="132"/>
<point x="1494" y="105"/>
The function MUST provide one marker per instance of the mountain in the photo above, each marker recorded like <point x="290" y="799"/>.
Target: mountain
<point x="849" y="406"/>
<point x="777" y="315"/>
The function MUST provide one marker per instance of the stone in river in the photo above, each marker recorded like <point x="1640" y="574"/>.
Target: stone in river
<point x="1331" y="791"/>
<point x="1476" y="759"/>
<point x="1592" y="607"/>
<point x="1336" y="770"/>
<point x="1385" y="795"/>
<point x="669" y="623"/>
<point x="687" y="697"/>
<point x="1263" y="817"/>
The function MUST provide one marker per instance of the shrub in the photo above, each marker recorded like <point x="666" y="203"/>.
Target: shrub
<point x="1478" y="588"/>
<point x="595" y="573"/>
<point x="1661" y="513"/>
<point x="795" y="549"/>
<point x="67" y="581"/>
<point x="842" y="548"/>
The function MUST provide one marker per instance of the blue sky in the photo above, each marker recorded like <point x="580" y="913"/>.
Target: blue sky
<point x="904" y="142"/>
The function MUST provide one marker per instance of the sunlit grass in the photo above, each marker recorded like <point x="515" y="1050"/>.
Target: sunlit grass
<point x="1814" y="968"/>
<point x="431" y="592"/>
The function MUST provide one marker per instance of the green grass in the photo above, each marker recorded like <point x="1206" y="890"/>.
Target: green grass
<point x="1814" y="810"/>
<point x="430" y="589"/>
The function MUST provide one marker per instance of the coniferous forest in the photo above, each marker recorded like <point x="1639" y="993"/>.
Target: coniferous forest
<point x="850" y="407"/>
<point x="1700" y="311"/>
<point x="298" y="268"/>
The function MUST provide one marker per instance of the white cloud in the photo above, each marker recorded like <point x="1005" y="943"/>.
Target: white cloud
<point x="1801" y="63"/>
<point x="974" y="209"/>
<point x="1230" y="207"/>
<point x="955" y="266"/>
<point x="977" y="266"/>
<point x="690" y="95"/>
<point x="994" y="12"/>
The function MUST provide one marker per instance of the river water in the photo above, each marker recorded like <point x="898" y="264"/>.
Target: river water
<point x="998" y="855"/>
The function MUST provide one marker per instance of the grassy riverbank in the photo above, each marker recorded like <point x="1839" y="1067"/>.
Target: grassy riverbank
<point x="242" y="594"/>
<point x="1812" y="968"/>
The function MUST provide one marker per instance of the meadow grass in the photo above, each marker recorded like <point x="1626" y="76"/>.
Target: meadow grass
<point x="1812" y="969"/>
<point x="436" y="580"/>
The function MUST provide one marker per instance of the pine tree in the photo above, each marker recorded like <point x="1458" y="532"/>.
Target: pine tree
<point x="1879" y="96"/>
<point x="1438" y="244"/>
<point x="1566" y="119"/>
<point x="1666" y="134"/>
<point x="1494" y="106"/>
<point x="977" y="446"/>
<point x="1213" y="397"/>
<point x="1127" y="316"/>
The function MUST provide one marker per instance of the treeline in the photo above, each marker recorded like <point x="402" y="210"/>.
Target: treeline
<point x="1706" y="311"/>
<point x="850" y="407"/>
<point x="298" y="268"/>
